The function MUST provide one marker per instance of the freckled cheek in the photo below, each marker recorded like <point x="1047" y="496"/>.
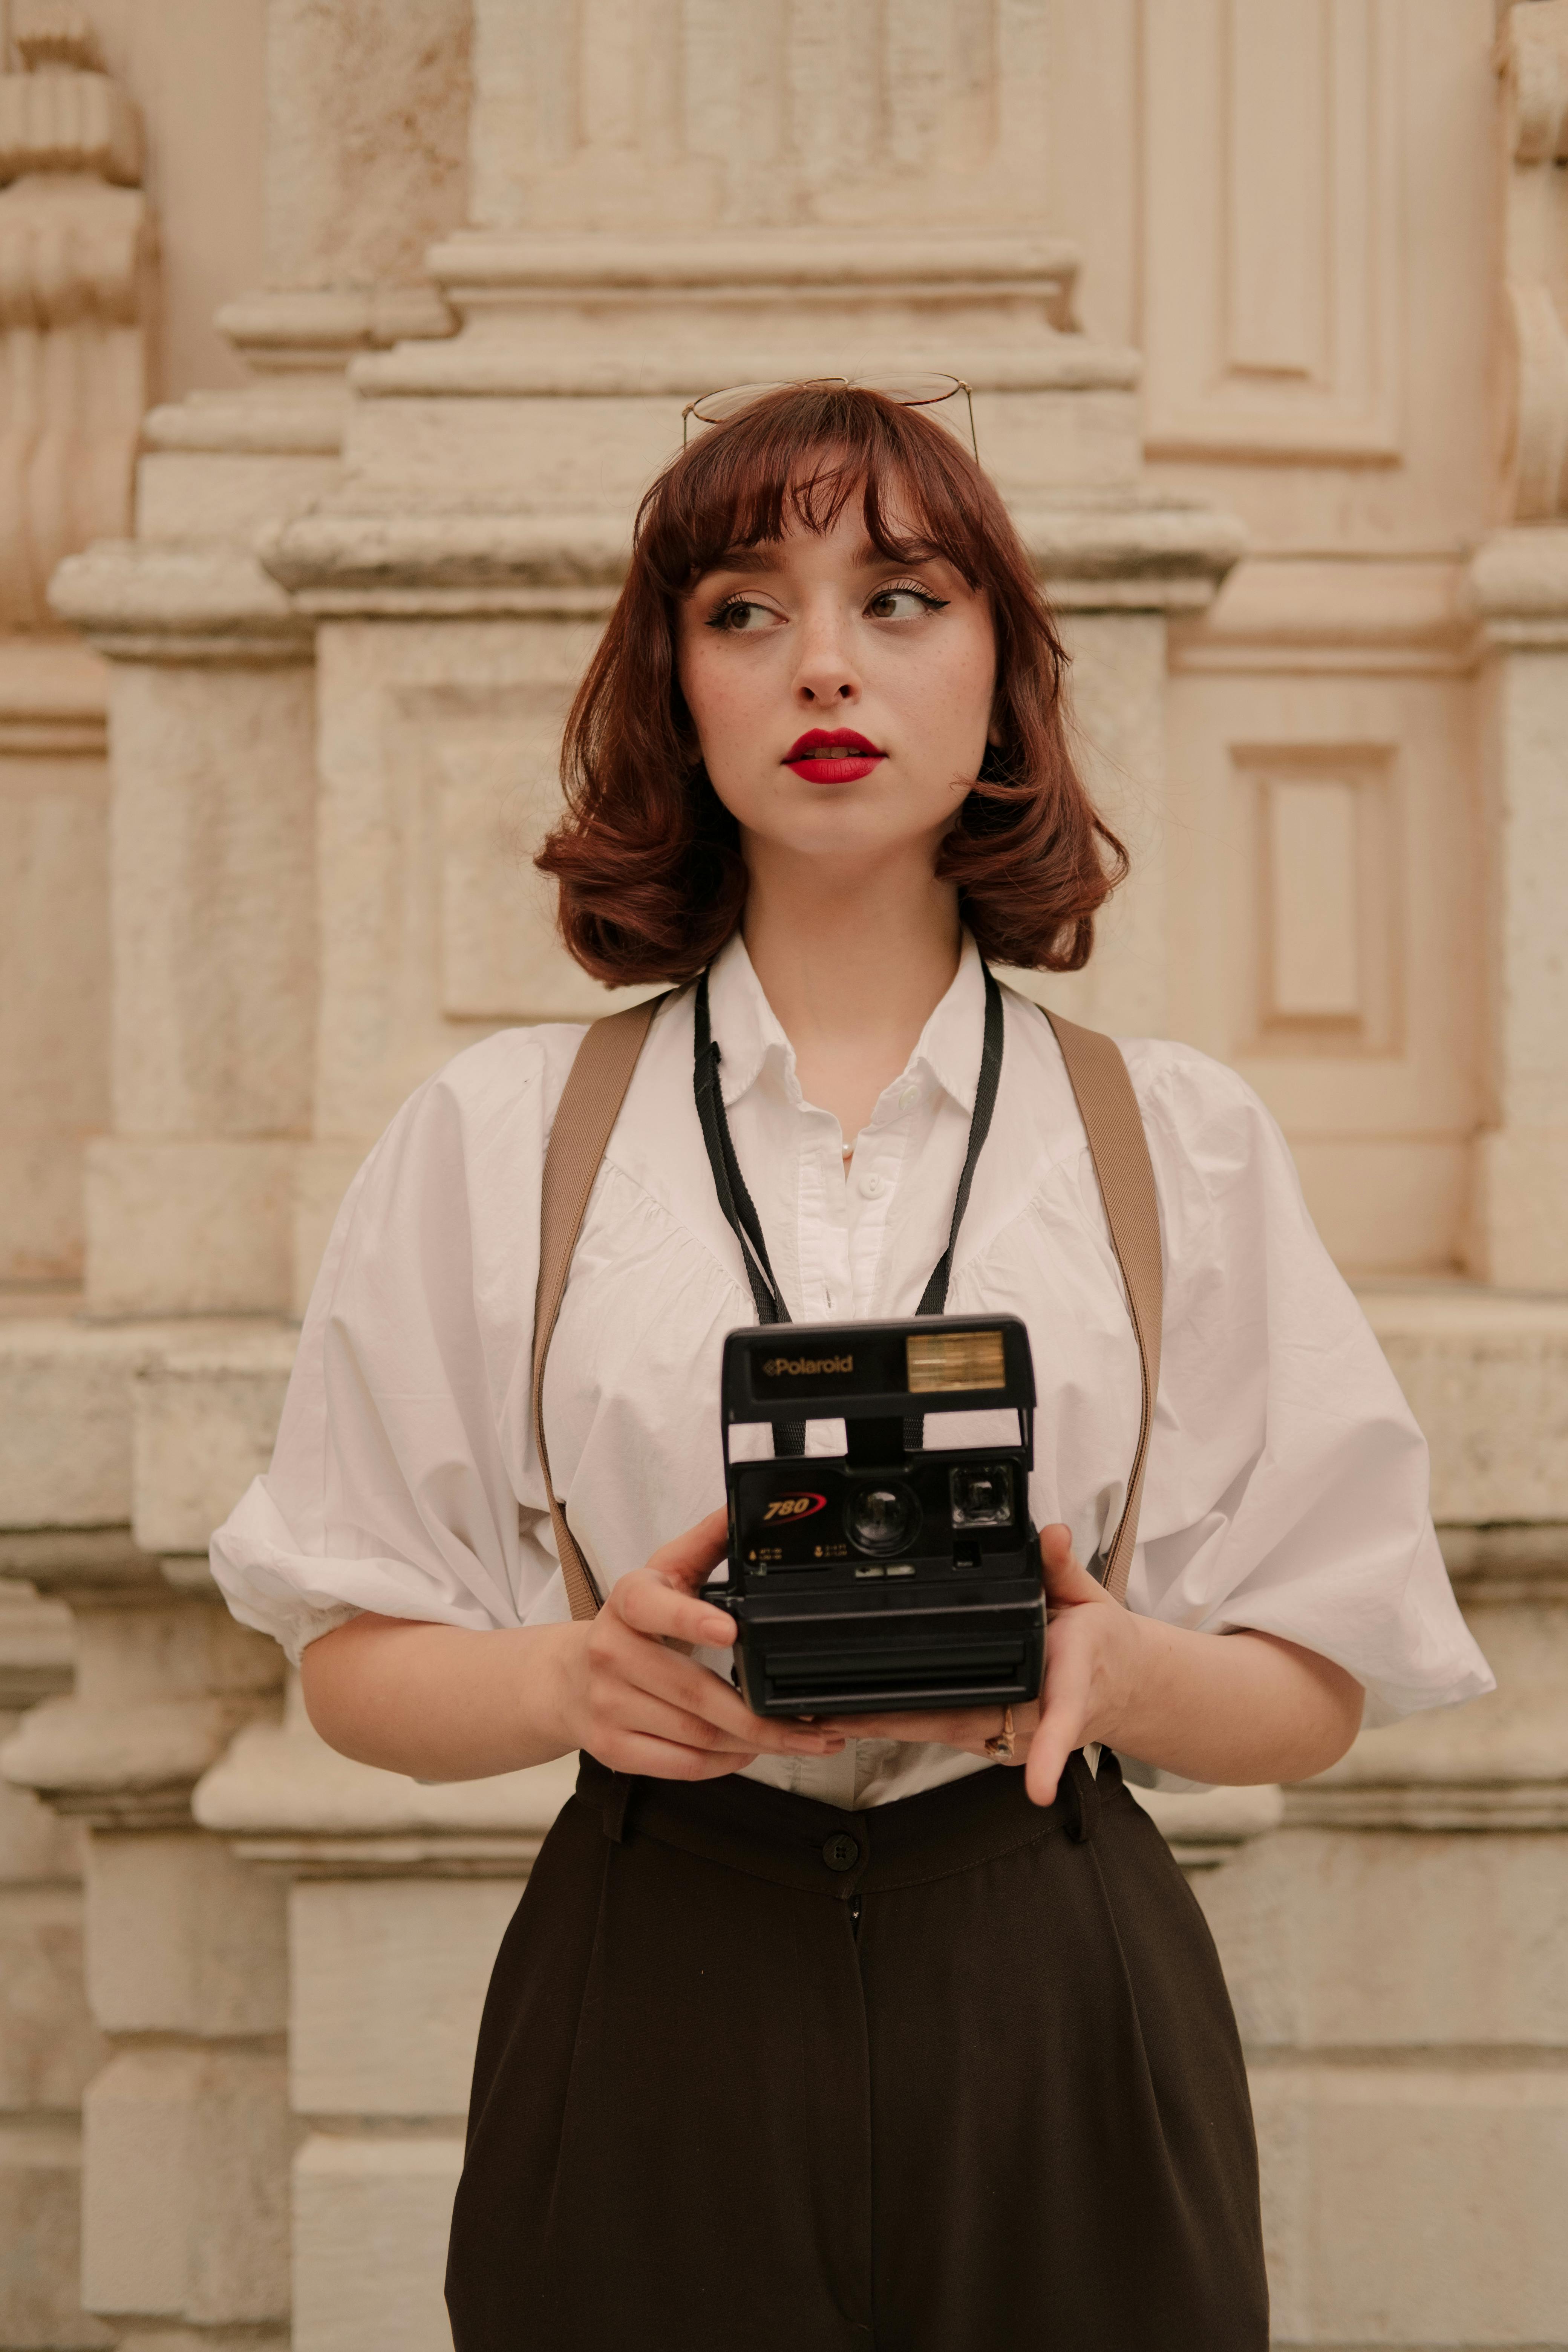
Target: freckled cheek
<point x="729" y="710"/>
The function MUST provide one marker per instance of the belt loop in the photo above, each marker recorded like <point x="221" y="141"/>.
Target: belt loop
<point x="618" y="1796"/>
<point x="1082" y="1794"/>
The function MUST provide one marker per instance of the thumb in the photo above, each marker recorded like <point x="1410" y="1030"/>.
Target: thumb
<point x="690" y="1559"/>
<point x="1065" y="1582"/>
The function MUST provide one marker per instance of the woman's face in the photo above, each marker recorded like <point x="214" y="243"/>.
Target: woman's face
<point x="841" y="700"/>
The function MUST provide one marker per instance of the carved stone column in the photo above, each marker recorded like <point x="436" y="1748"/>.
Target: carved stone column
<point x="184" y="2131"/>
<point x="1394" y="1949"/>
<point x="48" y="2047"/>
<point x="1519" y="584"/>
<point x="76" y="284"/>
<point x="398" y="1896"/>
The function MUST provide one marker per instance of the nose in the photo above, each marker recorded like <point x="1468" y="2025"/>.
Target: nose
<point x="826" y="672"/>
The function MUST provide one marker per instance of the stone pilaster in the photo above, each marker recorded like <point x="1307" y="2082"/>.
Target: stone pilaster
<point x="49" y="2046"/>
<point x="77" y="262"/>
<point x="398" y="1896"/>
<point x="185" y="2153"/>
<point x="1392" y="1949"/>
<point x="1518" y="589"/>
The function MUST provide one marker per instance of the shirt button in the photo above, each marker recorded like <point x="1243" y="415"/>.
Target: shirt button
<point x="873" y="1185"/>
<point x="841" y="1853"/>
<point x="909" y="1099"/>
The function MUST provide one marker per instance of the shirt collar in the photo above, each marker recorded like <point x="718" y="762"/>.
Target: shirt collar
<point x="749" y="1035"/>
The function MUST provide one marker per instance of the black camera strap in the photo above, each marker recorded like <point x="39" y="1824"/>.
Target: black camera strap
<point x="739" y="1210"/>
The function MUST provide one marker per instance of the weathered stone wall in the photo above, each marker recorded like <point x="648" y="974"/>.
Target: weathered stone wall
<point x="392" y="305"/>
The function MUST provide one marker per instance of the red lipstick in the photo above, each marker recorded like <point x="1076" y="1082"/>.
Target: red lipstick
<point x="832" y="756"/>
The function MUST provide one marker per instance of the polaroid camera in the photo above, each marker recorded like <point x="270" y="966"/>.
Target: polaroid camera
<point x="887" y="1576"/>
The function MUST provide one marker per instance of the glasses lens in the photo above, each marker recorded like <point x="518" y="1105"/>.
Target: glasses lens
<point x="715" y="407"/>
<point x="911" y="391"/>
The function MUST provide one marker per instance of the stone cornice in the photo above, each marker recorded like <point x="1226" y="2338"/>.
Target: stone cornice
<point x="153" y="600"/>
<point x="477" y="366"/>
<point x="285" y="1797"/>
<point x="318" y="328"/>
<point x="1142" y="554"/>
<point x="795" y="258"/>
<point x="129" y="1766"/>
<point x="1517" y="586"/>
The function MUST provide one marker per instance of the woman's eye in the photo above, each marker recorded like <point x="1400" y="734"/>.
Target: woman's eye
<point x="740" y="616"/>
<point x="903" y="603"/>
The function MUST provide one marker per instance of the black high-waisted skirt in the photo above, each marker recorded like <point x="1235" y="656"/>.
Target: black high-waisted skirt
<point x="756" y="2075"/>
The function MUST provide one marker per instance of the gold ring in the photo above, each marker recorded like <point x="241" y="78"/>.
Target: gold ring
<point x="1000" y="1747"/>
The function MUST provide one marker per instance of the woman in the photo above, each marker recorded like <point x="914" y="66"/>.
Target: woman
<point x="733" y="2089"/>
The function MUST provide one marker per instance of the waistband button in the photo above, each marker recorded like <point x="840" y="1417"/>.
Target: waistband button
<point x="841" y="1853"/>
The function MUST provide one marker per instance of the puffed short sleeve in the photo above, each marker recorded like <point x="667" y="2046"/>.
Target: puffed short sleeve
<point x="1287" y="1481"/>
<point x="390" y="1488"/>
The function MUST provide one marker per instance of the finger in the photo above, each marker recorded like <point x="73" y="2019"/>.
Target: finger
<point x="667" y="1611"/>
<point x="690" y="1559"/>
<point x="642" y="1713"/>
<point x="1067" y="1582"/>
<point x="679" y="1682"/>
<point x="1060" y="1729"/>
<point x="659" y="1760"/>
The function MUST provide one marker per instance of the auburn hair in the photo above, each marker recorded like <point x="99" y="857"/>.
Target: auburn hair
<point x="646" y="858"/>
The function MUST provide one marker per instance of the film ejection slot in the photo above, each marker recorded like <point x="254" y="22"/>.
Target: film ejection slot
<point x="841" y="1566"/>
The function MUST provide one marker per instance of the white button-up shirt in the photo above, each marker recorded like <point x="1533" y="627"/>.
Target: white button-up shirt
<point x="1287" y="1484"/>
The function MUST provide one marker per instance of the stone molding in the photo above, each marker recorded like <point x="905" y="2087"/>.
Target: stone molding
<point x="125" y="1750"/>
<point x="53" y="699"/>
<point x="1517" y="583"/>
<point x="1325" y="616"/>
<point x="284" y="1797"/>
<point x="1148" y="555"/>
<point x="287" y="329"/>
<point x="155" y="601"/>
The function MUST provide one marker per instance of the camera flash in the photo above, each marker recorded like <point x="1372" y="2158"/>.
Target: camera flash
<point x="956" y="1359"/>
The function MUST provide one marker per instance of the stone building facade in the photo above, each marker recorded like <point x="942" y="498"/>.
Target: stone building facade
<point x="338" y="338"/>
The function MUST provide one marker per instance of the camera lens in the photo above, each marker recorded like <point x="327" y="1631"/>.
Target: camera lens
<point x="881" y="1518"/>
<point x="982" y="1498"/>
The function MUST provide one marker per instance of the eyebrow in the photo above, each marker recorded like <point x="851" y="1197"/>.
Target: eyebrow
<point x="764" y="557"/>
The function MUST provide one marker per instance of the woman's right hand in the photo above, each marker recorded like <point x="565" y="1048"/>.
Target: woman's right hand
<point x="639" y="1705"/>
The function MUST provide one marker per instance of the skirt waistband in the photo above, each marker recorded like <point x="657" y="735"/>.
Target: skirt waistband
<point x="796" y="1842"/>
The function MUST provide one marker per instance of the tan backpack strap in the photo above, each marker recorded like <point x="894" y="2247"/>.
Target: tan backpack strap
<point x="1120" y="1151"/>
<point x="590" y="1103"/>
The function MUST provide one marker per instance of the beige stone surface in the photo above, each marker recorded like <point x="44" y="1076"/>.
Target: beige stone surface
<point x="183" y="1940"/>
<point x="367" y="154"/>
<point x="186" y="2157"/>
<point x="54" y="984"/>
<point x="203" y="1423"/>
<point x="1485" y="1377"/>
<point x="371" y="2218"/>
<point x="282" y="1780"/>
<point x="368" y="1958"/>
<point x="1416" y="2205"/>
<point x="49" y="2044"/>
<point x="213" y="919"/>
<point x="40" y="2232"/>
<point x="1386" y="1940"/>
<point x="184" y="1226"/>
<point x="203" y="163"/>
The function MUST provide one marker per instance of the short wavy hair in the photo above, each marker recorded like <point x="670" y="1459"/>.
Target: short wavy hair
<point x="646" y="858"/>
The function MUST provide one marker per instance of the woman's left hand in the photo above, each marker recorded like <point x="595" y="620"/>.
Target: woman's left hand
<point x="1091" y="1667"/>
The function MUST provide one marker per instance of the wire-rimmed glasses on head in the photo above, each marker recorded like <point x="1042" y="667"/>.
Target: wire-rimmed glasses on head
<point x="909" y="391"/>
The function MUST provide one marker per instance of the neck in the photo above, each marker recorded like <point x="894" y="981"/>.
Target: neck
<point x="853" y="966"/>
